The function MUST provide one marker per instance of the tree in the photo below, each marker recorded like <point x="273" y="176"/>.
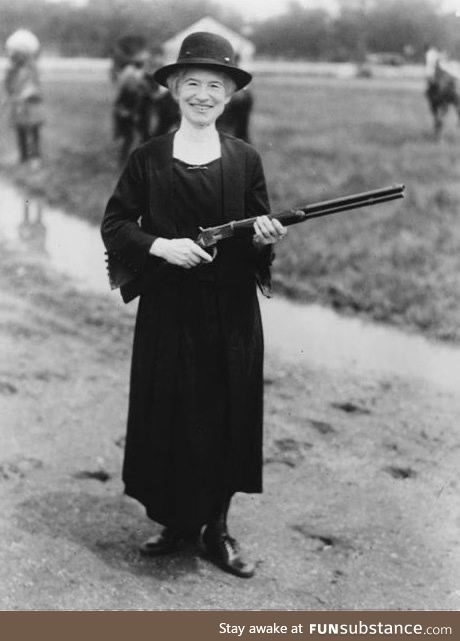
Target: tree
<point x="394" y="25"/>
<point x="299" y="33"/>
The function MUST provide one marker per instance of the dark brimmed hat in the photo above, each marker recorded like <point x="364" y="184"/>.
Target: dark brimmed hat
<point x="202" y="49"/>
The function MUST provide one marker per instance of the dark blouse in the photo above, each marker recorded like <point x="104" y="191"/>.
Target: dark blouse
<point x="197" y="195"/>
<point x="197" y="202"/>
<point x="200" y="421"/>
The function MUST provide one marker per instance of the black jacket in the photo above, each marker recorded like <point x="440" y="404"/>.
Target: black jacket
<point x="140" y="210"/>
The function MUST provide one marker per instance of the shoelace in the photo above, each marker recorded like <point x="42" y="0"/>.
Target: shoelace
<point x="230" y="545"/>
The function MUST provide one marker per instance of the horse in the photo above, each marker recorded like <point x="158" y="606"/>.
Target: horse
<point x="441" y="93"/>
<point x="136" y="93"/>
<point x="165" y="114"/>
<point x="235" y="119"/>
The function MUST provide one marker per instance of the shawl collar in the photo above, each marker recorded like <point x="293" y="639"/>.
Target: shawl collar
<point x="233" y="178"/>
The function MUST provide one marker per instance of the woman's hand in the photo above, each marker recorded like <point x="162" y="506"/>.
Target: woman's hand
<point x="267" y="231"/>
<point x="180" y="251"/>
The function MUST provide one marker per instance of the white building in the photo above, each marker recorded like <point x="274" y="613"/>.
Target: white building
<point x="243" y="48"/>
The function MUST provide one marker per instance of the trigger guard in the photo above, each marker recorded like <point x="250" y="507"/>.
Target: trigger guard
<point x="211" y="251"/>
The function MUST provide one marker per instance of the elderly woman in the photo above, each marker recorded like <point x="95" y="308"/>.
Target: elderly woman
<point x="194" y="434"/>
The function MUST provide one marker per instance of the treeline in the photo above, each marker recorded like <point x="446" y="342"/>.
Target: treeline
<point x="404" y="27"/>
<point x="72" y="29"/>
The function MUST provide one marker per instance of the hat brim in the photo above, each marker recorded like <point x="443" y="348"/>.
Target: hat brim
<point x="240" y="77"/>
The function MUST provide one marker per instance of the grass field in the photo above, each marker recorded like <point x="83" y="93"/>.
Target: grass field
<point x="319" y="139"/>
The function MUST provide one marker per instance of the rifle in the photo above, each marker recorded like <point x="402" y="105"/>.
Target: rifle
<point x="210" y="236"/>
<point x="120" y="275"/>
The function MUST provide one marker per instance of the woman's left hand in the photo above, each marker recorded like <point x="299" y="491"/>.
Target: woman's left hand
<point x="268" y="231"/>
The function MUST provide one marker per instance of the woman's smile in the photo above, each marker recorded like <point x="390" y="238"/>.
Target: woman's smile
<point x="200" y="107"/>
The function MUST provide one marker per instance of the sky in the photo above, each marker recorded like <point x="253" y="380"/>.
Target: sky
<point x="259" y="9"/>
<point x="452" y="5"/>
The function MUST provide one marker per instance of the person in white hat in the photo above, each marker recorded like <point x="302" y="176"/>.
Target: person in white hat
<point x="195" y="418"/>
<point x="23" y="88"/>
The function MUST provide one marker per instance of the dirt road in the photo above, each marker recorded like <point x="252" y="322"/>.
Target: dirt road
<point x="360" y="509"/>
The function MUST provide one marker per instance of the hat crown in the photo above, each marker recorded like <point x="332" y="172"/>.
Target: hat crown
<point x="207" y="46"/>
<point x="204" y="49"/>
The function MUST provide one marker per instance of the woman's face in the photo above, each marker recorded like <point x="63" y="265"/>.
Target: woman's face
<point x="202" y="96"/>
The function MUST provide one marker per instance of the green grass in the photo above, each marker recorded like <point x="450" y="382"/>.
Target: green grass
<point x="398" y="262"/>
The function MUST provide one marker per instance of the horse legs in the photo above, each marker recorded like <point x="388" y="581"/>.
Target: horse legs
<point x="146" y="121"/>
<point x="457" y="106"/>
<point x="244" y="127"/>
<point x="437" y="123"/>
<point x="439" y="113"/>
<point x="127" y="141"/>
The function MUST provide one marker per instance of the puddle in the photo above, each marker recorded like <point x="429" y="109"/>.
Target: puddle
<point x="71" y="245"/>
<point x="302" y="332"/>
<point x="321" y="337"/>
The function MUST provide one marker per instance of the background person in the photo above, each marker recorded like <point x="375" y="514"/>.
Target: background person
<point x="194" y="434"/>
<point x="22" y="85"/>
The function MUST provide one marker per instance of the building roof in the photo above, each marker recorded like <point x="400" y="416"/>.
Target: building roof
<point x="242" y="46"/>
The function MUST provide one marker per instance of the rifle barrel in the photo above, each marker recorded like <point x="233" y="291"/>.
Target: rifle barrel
<point x="327" y="207"/>
<point x="326" y="211"/>
<point x="366" y="196"/>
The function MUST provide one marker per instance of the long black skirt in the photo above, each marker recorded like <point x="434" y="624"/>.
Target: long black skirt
<point x="178" y="427"/>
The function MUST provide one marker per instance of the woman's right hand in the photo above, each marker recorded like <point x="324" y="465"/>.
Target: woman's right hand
<point x="183" y="252"/>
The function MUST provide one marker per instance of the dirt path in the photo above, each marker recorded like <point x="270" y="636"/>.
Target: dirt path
<point x="360" y="509"/>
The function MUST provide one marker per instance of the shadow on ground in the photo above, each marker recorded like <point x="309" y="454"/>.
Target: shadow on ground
<point x="107" y="526"/>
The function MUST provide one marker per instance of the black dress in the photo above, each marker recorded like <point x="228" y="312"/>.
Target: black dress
<point x="196" y="455"/>
<point x="200" y="423"/>
<point x="195" y="419"/>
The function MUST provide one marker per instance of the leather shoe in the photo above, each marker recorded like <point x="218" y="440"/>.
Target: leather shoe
<point x="167" y="541"/>
<point x="224" y="552"/>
